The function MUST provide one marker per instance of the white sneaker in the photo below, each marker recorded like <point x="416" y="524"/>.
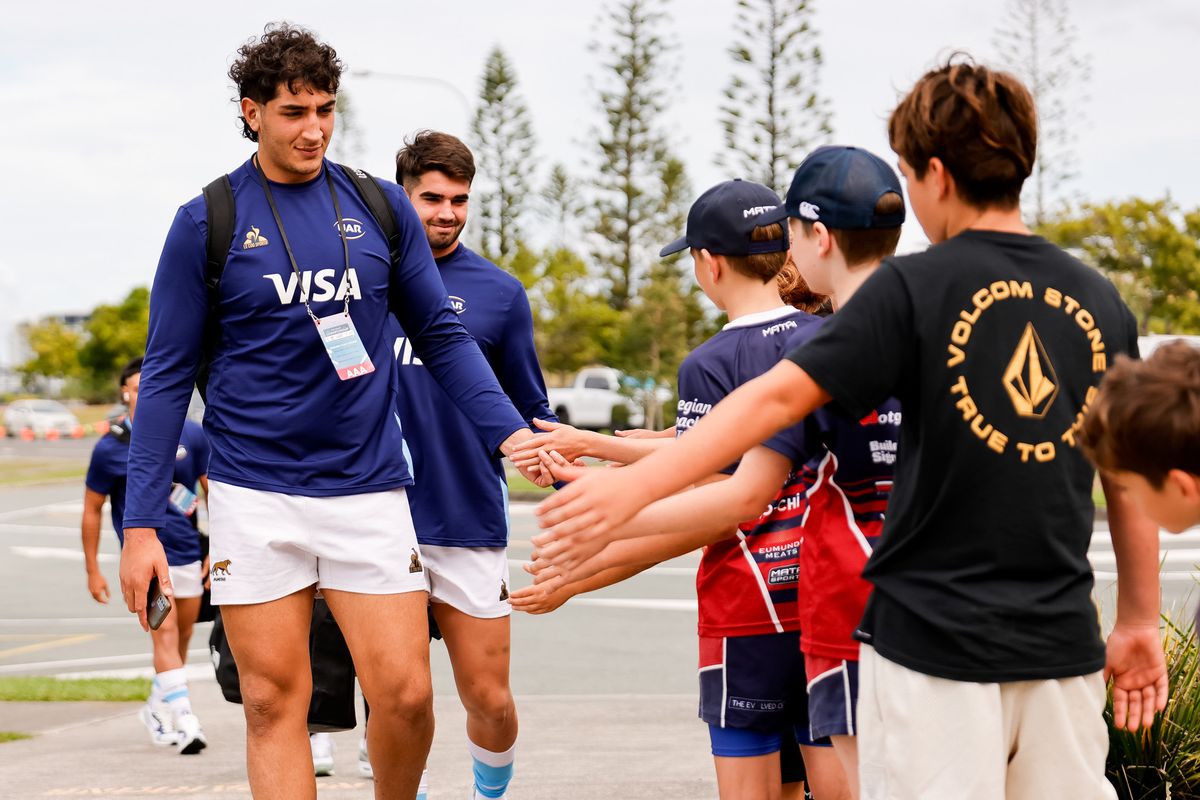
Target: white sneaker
<point x="364" y="761"/>
<point x="191" y="738"/>
<point x="322" y="753"/>
<point x="158" y="722"/>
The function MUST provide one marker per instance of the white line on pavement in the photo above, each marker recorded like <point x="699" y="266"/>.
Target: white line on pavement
<point x="77" y="663"/>
<point x="58" y="553"/>
<point x="650" y="604"/>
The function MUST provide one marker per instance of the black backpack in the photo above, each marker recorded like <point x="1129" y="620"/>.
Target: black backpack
<point x="218" y="202"/>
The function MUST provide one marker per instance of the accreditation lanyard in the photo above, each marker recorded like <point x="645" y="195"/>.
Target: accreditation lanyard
<point x="342" y="342"/>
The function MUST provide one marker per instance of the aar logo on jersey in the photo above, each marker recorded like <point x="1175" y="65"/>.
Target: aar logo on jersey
<point x="458" y="304"/>
<point x="1030" y="379"/>
<point x="254" y="239"/>
<point x="352" y="228"/>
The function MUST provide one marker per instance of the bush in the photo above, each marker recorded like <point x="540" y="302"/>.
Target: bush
<point x="1163" y="762"/>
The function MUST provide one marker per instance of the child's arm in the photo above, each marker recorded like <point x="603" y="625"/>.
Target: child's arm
<point x="678" y="524"/>
<point x="573" y="443"/>
<point x="605" y="499"/>
<point x="1134" y="658"/>
<point x="544" y="597"/>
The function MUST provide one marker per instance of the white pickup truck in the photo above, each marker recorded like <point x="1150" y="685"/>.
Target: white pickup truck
<point x="596" y="401"/>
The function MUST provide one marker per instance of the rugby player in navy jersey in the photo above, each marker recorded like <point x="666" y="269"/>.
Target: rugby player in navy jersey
<point x="307" y="475"/>
<point x="460" y="497"/>
<point x="167" y="714"/>
<point x="747" y="588"/>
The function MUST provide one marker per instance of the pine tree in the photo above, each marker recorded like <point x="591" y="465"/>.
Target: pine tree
<point x="632" y="147"/>
<point x="347" y="145"/>
<point x="503" y="146"/>
<point x="1037" y="42"/>
<point x="773" y="112"/>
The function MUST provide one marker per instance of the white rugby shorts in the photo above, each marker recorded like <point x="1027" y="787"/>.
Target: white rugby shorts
<point x="267" y="545"/>
<point x="473" y="580"/>
<point x="187" y="580"/>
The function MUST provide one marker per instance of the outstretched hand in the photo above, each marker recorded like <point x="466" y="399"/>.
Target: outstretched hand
<point x="1136" y="665"/>
<point x="570" y="442"/>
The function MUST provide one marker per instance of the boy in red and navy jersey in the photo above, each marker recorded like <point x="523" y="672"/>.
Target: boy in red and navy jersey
<point x="751" y="667"/>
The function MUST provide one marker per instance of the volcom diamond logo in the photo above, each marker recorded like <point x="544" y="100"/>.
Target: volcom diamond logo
<point x="1030" y="379"/>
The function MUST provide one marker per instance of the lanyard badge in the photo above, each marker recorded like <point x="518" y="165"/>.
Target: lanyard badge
<point x="344" y="346"/>
<point x="342" y="343"/>
<point x="183" y="499"/>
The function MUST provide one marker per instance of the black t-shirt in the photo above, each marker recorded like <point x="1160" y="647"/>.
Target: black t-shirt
<point x="994" y="344"/>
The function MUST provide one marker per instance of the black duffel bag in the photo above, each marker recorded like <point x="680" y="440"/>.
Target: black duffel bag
<point x="332" y="706"/>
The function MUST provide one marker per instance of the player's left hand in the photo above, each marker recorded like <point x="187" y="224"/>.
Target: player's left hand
<point x="532" y="472"/>
<point x="1138" y="670"/>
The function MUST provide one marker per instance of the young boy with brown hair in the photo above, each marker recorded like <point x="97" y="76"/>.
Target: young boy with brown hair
<point x="1143" y="432"/>
<point x="982" y="666"/>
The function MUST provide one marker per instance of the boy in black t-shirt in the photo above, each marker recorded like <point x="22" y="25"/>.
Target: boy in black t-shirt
<point x="982" y="656"/>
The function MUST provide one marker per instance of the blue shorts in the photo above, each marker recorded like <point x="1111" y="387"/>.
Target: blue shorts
<point x="751" y="691"/>
<point x="832" y="696"/>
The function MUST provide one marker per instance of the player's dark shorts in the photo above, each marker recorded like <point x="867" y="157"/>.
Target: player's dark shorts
<point x="752" y="684"/>
<point x="832" y="696"/>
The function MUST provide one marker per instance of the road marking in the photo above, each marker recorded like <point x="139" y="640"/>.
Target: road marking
<point x="62" y="641"/>
<point x="651" y="604"/>
<point x="129" y="619"/>
<point x="54" y="530"/>
<point x="59" y="553"/>
<point x="73" y="507"/>
<point x="9" y="669"/>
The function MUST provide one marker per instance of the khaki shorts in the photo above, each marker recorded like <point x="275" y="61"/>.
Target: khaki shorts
<point x="926" y="738"/>
<point x="267" y="545"/>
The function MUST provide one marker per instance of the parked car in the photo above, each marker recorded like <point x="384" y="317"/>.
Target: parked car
<point x="39" y="416"/>
<point x="601" y="397"/>
<point x="1148" y="344"/>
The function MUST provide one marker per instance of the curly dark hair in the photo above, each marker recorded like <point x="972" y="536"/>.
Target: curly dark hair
<point x="287" y="54"/>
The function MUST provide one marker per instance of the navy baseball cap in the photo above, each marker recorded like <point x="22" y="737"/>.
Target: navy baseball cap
<point x="723" y="218"/>
<point x="840" y="186"/>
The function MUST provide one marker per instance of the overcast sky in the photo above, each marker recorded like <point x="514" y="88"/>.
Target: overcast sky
<point x="116" y="117"/>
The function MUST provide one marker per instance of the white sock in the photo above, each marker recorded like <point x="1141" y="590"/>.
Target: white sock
<point x="173" y="690"/>
<point x="492" y="771"/>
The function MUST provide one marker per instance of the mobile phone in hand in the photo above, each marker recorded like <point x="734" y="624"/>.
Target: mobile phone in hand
<point x="158" y="605"/>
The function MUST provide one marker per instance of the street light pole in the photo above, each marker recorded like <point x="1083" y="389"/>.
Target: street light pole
<point x="427" y="79"/>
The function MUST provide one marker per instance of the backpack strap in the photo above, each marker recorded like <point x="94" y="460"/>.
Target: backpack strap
<point x="378" y="205"/>
<point x="219" y="211"/>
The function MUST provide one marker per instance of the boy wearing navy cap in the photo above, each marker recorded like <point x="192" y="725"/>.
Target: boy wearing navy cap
<point x="982" y="667"/>
<point x="751" y="669"/>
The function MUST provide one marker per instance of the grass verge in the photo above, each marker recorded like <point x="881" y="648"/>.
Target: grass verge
<point x="42" y="689"/>
<point x="521" y="489"/>
<point x="13" y="736"/>
<point x="19" y="471"/>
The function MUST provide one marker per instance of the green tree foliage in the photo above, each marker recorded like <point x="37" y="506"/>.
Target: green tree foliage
<point x="55" y="349"/>
<point x="1037" y="43"/>
<point x="115" y="335"/>
<point x="636" y="63"/>
<point x="561" y="203"/>
<point x="573" y="325"/>
<point x="348" y="144"/>
<point x="773" y="112"/>
<point x="1150" y="249"/>
<point x="92" y="360"/>
<point x="503" y="146"/>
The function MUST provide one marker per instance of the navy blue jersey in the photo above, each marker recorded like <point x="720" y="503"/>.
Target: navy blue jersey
<point x="459" y="497"/>
<point x="106" y="475"/>
<point x="747" y="585"/>
<point x="278" y="417"/>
